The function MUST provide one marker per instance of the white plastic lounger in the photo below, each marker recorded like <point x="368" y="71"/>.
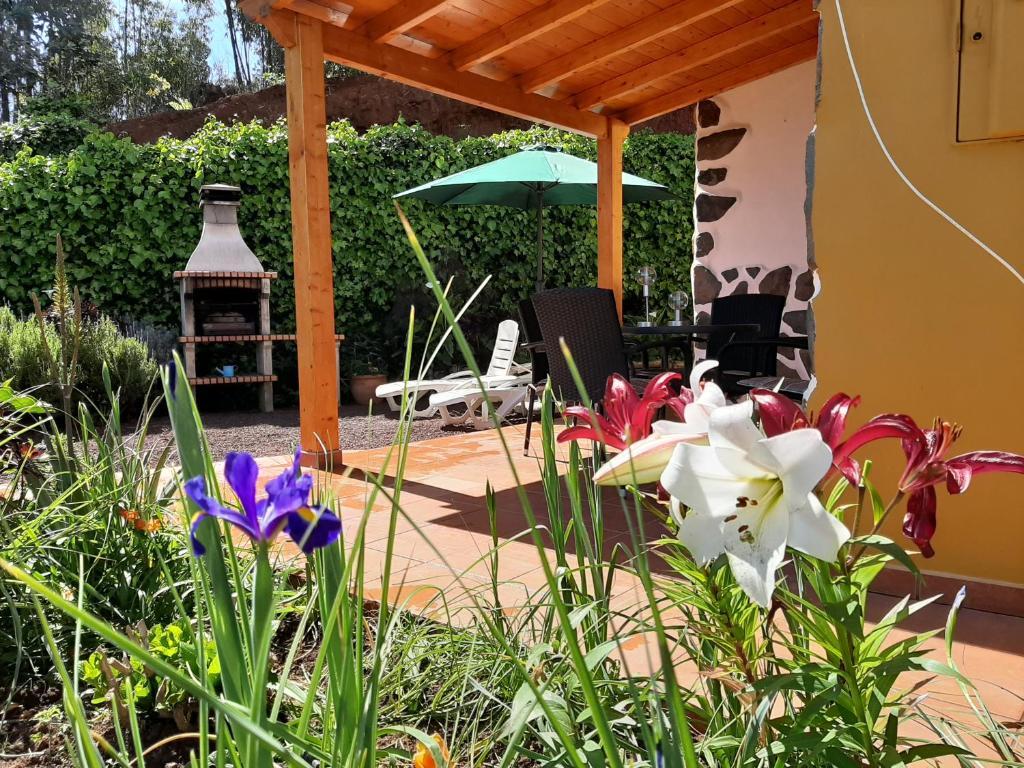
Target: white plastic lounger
<point x="504" y="397"/>
<point x="499" y="371"/>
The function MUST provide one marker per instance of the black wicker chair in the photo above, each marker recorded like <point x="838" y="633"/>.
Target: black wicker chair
<point x="534" y="344"/>
<point x="588" y="321"/>
<point x="741" y="356"/>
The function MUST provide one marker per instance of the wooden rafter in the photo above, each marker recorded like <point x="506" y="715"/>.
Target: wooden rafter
<point x="672" y="19"/>
<point x="257" y="9"/>
<point x="751" y="32"/>
<point x="519" y="30"/>
<point x="746" y="73"/>
<point x="355" y="50"/>
<point x="401" y="17"/>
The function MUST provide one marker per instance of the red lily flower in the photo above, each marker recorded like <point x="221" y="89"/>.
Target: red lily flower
<point x="887" y="425"/>
<point x="927" y="466"/>
<point x="778" y="414"/>
<point x="627" y="417"/>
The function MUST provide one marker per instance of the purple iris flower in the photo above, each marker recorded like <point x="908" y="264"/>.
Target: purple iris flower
<point x="284" y="508"/>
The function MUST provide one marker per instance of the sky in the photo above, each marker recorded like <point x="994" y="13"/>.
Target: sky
<point x="220" y="44"/>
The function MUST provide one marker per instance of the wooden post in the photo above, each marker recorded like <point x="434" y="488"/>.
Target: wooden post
<point x="609" y="209"/>
<point x="311" y="242"/>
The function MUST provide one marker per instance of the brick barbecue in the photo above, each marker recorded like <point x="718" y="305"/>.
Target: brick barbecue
<point x="225" y="296"/>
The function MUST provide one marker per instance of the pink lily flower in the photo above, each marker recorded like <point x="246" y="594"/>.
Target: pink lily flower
<point x="643" y="461"/>
<point x="778" y="414"/>
<point x="627" y="417"/>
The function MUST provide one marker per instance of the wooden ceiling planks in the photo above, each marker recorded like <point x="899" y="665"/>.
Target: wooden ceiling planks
<point x="626" y="39"/>
<point x="722" y="44"/>
<point x="519" y="31"/>
<point x="745" y="73"/>
<point x="629" y="59"/>
<point x="402" y="17"/>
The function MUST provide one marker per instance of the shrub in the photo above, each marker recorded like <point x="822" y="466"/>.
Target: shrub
<point x="128" y="215"/>
<point x="23" y="360"/>
<point x="54" y="134"/>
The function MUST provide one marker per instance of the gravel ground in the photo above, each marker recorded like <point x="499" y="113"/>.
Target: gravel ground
<point x="277" y="433"/>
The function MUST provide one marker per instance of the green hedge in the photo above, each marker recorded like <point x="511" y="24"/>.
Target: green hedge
<point x="43" y="134"/>
<point x="129" y="218"/>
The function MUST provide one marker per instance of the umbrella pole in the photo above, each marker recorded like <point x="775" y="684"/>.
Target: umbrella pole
<point x="540" y="240"/>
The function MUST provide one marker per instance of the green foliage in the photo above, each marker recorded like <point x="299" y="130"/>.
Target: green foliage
<point x="131" y="368"/>
<point x="99" y="516"/>
<point x="45" y="135"/>
<point x="116" y="681"/>
<point x="110" y="60"/>
<point x="128" y="214"/>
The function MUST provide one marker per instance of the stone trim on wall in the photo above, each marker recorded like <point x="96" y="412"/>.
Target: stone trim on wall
<point x="718" y="196"/>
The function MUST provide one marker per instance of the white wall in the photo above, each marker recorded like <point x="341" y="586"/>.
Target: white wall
<point x="766" y="227"/>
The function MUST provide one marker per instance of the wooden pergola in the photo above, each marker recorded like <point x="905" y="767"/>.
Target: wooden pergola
<point x="595" y="67"/>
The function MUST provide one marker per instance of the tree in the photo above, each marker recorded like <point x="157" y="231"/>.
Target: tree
<point x="162" y="56"/>
<point x="122" y="61"/>
<point x="43" y="42"/>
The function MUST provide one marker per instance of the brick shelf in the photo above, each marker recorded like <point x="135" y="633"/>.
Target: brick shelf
<point x="240" y="338"/>
<point x="226" y="275"/>
<point x="199" y="381"/>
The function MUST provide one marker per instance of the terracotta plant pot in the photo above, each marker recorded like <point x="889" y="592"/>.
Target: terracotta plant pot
<point x="364" y="385"/>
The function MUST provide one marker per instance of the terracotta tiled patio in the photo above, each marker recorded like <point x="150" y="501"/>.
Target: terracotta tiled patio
<point x="443" y="538"/>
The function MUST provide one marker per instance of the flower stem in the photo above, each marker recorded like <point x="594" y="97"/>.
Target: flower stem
<point x="877" y="526"/>
<point x="861" y="493"/>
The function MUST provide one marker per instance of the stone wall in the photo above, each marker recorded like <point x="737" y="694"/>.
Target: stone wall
<point x="750" y="232"/>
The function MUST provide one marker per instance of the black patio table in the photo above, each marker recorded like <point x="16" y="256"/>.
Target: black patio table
<point x="672" y="335"/>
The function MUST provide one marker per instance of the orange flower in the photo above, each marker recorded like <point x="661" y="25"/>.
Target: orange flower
<point x="425" y="759"/>
<point x="148" y="526"/>
<point x="130" y="515"/>
<point x="29" y="451"/>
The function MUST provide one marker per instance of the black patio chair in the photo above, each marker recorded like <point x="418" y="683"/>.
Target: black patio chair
<point x="742" y="355"/>
<point x="534" y="345"/>
<point x="588" y="321"/>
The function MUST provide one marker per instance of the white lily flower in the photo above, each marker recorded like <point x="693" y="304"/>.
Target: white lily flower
<point x="642" y="462"/>
<point x="645" y="460"/>
<point x="750" y="496"/>
<point x="708" y="398"/>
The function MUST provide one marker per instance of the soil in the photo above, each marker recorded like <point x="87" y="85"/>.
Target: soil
<point x="277" y="433"/>
<point x="364" y="100"/>
<point x="34" y="732"/>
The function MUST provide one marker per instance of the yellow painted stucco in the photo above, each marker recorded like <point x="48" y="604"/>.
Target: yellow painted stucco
<point x="912" y="315"/>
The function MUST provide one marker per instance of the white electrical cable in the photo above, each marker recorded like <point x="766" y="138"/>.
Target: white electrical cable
<point x="899" y="172"/>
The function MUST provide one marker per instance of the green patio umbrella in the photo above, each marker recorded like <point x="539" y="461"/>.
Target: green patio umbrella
<point x="530" y="180"/>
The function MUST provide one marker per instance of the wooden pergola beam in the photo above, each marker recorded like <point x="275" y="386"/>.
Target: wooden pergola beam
<point x="435" y="75"/>
<point x="400" y="18"/>
<point x="672" y="19"/>
<point x="609" y="209"/>
<point x="746" y="73"/>
<point x="751" y="32"/>
<point x="518" y="31"/>
<point x="311" y="243"/>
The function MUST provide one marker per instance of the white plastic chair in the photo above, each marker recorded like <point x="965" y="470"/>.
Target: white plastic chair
<point x="504" y="397"/>
<point x="501" y="370"/>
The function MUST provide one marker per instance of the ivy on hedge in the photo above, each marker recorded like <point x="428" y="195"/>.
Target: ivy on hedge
<point x="129" y="217"/>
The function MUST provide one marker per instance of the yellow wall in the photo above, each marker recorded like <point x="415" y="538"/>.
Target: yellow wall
<point x="912" y="315"/>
